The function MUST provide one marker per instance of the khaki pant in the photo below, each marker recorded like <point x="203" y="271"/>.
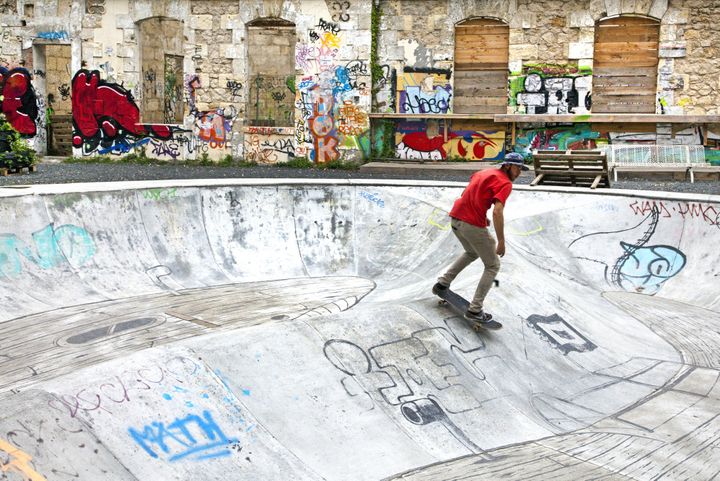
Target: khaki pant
<point x="477" y="242"/>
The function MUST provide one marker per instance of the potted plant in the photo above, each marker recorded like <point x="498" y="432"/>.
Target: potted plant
<point x="15" y="153"/>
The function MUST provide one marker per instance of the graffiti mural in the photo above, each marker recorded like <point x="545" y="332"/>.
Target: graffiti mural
<point x="412" y="142"/>
<point x="551" y="89"/>
<point x="215" y="127"/>
<point x="424" y="91"/>
<point x="332" y="97"/>
<point x="577" y="136"/>
<point x="18" y="100"/>
<point x="105" y="114"/>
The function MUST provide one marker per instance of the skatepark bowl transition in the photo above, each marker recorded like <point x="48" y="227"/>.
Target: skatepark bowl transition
<point x="280" y="329"/>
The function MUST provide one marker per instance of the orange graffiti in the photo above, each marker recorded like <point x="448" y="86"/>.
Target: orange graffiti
<point x="352" y="121"/>
<point x="19" y="462"/>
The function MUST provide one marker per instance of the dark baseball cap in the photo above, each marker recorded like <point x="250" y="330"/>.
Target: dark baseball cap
<point x="513" y="158"/>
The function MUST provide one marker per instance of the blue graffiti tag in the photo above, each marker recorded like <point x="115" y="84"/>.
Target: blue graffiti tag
<point x="53" y="247"/>
<point x="645" y="269"/>
<point x="375" y="198"/>
<point x="194" y="437"/>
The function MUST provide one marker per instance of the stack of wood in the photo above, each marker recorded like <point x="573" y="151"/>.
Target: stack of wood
<point x="575" y="168"/>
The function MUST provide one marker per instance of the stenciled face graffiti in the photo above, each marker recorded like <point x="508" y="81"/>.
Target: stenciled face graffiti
<point x="105" y="113"/>
<point x="18" y="100"/>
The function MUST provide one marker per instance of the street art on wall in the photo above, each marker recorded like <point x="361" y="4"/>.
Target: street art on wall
<point x="551" y="89"/>
<point x="105" y="116"/>
<point x="215" y="127"/>
<point x="268" y="145"/>
<point x="413" y="142"/>
<point x="18" y="100"/>
<point x="331" y="97"/>
<point x="423" y="91"/>
<point x="574" y="137"/>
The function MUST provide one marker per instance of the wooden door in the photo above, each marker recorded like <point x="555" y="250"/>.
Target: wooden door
<point x="625" y="65"/>
<point x="481" y="67"/>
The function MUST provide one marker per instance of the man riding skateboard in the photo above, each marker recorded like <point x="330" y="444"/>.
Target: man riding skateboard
<point x="487" y="188"/>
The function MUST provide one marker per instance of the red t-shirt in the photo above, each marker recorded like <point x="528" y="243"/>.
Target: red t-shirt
<point x="485" y="187"/>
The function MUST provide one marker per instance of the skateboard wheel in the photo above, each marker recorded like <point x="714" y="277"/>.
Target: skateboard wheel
<point x="442" y="302"/>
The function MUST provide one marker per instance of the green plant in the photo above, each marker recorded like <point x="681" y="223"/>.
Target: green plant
<point x="339" y="165"/>
<point x="297" y="163"/>
<point x="15" y="153"/>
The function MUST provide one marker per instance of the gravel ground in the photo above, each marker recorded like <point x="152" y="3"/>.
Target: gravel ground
<point x="60" y="173"/>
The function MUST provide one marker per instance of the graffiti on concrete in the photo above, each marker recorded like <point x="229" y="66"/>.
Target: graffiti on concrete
<point x="54" y="246"/>
<point x="640" y="267"/>
<point x="555" y="330"/>
<point x="18" y="462"/>
<point x="194" y="437"/>
<point x="18" y="100"/>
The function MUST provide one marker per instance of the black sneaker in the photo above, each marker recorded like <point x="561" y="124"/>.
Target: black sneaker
<point x="481" y="316"/>
<point x="439" y="288"/>
<point x="483" y="320"/>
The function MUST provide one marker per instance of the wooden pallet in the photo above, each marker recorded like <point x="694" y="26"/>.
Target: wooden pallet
<point x="577" y="168"/>
<point x="4" y="172"/>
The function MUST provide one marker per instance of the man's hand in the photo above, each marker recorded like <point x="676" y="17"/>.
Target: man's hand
<point x="499" y="221"/>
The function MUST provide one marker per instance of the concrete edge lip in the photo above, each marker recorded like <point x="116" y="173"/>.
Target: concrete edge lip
<point x="45" y="189"/>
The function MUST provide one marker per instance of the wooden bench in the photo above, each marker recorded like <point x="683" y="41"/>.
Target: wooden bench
<point x="581" y="168"/>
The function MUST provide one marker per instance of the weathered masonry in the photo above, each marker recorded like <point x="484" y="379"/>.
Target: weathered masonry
<point x="268" y="80"/>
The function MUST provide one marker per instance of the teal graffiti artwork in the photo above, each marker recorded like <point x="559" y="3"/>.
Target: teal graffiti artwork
<point x="53" y="246"/>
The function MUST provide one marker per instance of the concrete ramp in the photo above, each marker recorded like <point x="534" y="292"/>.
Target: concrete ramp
<point x="285" y="330"/>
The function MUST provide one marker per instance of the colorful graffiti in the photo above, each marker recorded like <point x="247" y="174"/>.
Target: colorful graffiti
<point x="322" y="127"/>
<point x="423" y="91"/>
<point x="18" y="100"/>
<point x="331" y="119"/>
<point x="413" y="142"/>
<point x="215" y="127"/>
<point x="555" y="89"/>
<point x="575" y="137"/>
<point x="105" y="114"/>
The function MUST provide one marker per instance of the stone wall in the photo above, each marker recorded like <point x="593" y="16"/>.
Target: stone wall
<point x="116" y="43"/>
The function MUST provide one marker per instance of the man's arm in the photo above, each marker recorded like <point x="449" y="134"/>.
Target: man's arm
<point x="499" y="223"/>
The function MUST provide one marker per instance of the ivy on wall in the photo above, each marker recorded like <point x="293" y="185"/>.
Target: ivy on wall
<point x="382" y="131"/>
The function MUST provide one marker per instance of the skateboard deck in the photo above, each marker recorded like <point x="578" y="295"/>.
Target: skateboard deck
<point x="460" y="305"/>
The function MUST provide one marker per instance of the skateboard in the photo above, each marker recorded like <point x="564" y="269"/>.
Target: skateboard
<point x="459" y="304"/>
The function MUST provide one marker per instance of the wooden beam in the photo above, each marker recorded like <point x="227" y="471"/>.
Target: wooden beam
<point x="609" y="118"/>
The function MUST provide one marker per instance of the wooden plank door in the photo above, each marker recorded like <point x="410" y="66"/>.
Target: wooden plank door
<point x="625" y="65"/>
<point x="481" y="67"/>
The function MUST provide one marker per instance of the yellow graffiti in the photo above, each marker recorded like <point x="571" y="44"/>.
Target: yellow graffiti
<point x="19" y="463"/>
<point x="528" y="233"/>
<point x="435" y="223"/>
<point x="330" y="40"/>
